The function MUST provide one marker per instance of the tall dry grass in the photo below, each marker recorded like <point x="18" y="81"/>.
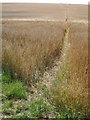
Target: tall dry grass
<point x="71" y="86"/>
<point x="29" y="47"/>
<point x="79" y="60"/>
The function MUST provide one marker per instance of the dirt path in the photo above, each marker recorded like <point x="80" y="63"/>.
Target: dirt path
<point x="51" y="74"/>
<point x="40" y="89"/>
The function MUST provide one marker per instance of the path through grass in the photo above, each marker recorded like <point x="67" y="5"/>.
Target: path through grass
<point x="36" y="102"/>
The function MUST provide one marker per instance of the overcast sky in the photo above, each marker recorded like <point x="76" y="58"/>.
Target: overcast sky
<point x="48" y="1"/>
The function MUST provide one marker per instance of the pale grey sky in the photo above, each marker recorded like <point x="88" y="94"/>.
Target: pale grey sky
<point x="47" y="1"/>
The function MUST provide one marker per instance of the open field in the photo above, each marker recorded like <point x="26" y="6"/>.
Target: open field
<point x="33" y="46"/>
<point x="45" y="61"/>
<point x="28" y="55"/>
<point x="45" y="11"/>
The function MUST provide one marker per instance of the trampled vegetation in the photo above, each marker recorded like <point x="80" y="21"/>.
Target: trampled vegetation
<point x="29" y="50"/>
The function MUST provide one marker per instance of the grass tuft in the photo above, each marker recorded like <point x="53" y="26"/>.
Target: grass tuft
<point x="14" y="90"/>
<point x="39" y="109"/>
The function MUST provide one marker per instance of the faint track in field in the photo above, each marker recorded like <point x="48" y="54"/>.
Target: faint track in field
<point x="50" y="75"/>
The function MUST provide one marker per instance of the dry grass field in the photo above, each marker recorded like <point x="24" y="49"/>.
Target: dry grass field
<point x="79" y="58"/>
<point x="29" y="47"/>
<point x="45" y="11"/>
<point x="71" y="86"/>
<point x="50" y="54"/>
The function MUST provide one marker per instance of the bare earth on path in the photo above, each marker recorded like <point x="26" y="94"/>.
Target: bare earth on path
<point x="50" y="75"/>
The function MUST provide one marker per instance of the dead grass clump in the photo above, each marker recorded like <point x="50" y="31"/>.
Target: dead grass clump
<point x="29" y="47"/>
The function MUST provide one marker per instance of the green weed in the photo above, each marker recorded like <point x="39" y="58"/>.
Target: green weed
<point x="14" y="90"/>
<point x="7" y="107"/>
<point x="39" y="108"/>
<point x="45" y="91"/>
<point x="6" y="78"/>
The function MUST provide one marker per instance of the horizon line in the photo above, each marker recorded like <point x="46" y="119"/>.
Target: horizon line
<point x="43" y="3"/>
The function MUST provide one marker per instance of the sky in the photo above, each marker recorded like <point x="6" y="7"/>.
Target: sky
<point x="47" y="1"/>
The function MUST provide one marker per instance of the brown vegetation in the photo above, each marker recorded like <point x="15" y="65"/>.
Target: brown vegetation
<point x="33" y="36"/>
<point x="79" y="60"/>
<point x="71" y="86"/>
<point x="45" y="11"/>
<point x="30" y="46"/>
